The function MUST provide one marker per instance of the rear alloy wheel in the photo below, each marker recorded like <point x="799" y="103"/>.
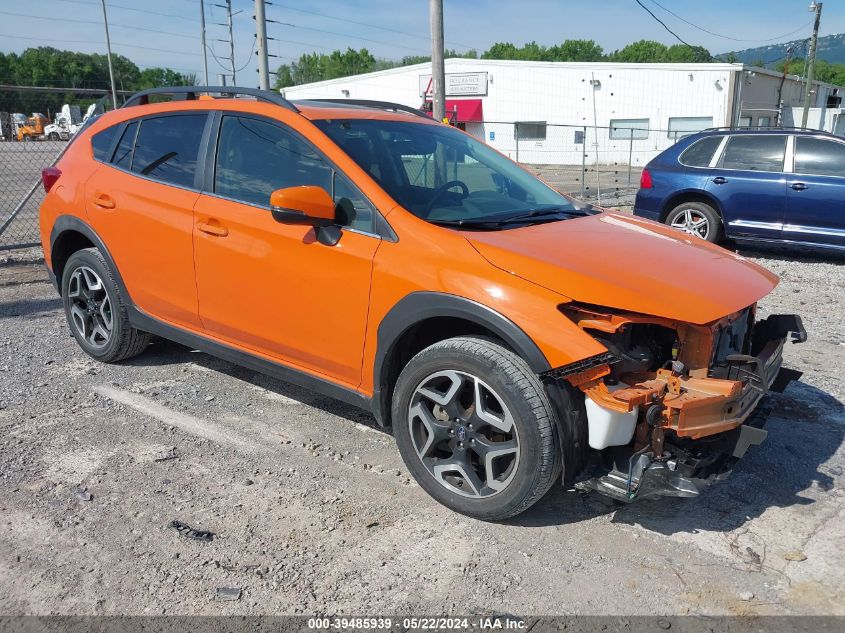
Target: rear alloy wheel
<point x="90" y="307"/>
<point x="696" y="218"/>
<point x="475" y="427"/>
<point x="94" y="309"/>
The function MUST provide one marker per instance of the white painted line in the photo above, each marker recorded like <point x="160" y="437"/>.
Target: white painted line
<point x="188" y="423"/>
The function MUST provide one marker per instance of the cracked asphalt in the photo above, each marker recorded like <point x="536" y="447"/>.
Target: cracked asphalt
<point x="312" y="510"/>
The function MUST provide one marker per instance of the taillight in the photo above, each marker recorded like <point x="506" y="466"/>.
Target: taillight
<point x="49" y="176"/>
<point x="645" y="180"/>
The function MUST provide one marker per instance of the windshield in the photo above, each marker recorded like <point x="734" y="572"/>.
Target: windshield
<point x="444" y="176"/>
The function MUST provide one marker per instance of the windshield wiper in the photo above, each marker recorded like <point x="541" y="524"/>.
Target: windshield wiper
<point x="468" y="224"/>
<point x="544" y="213"/>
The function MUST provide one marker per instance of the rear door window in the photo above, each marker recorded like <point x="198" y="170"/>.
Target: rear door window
<point x="700" y="153"/>
<point x="167" y="147"/>
<point x="754" y="153"/>
<point x="819" y="157"/>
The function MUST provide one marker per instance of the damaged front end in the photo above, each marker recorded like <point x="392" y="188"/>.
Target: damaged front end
<point x="672" y="406"/>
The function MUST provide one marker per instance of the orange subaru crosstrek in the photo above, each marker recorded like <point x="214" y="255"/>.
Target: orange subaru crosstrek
<point x="509" y="335"/>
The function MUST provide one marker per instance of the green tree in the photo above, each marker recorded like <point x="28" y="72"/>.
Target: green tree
<point x="681" y="53"/>
<point x="576" y="51"/>
<point x="731" y="58"/>
<point x="47" y="66"/>
<point x="501" y="50"/>
<point x="643" y="51"/>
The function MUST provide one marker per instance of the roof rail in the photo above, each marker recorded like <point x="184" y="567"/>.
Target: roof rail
<point x="191" y="93"/>
<point x="380" y="105"/>
<point x="728" y="128"/>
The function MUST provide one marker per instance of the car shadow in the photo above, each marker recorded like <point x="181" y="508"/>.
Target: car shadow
<point x="29" y="307"/>
<point x="163" y="352"/>
<point x="806" y="429"/>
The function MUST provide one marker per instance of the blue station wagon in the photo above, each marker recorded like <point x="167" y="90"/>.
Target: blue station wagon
<point x="777" y="186"/>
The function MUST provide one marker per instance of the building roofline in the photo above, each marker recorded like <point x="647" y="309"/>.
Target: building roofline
<point x="483" y="64"/>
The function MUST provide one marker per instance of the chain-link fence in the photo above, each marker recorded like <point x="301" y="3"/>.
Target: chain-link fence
<point x="21" y="192"/>
<point x="594" y="163"/>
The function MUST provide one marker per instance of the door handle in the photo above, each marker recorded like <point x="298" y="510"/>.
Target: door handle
<point x="720" y="180"/>
<point x="799" y="186"/>
<point x="104" y="201"/>
<point x="212" y="227"/>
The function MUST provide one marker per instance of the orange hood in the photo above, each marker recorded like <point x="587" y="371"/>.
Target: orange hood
<point x="627" y="263"/>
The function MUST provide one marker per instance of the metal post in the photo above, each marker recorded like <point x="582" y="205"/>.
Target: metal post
<point x="811" y="68"/>
<point x="630" y="155"/>
<point x="516" y="137"/>
<point x="231" y="41"/>
<point x="261" y="35"/>
<point x="438" y="66"/>
<point x="202" y="35"/>
<point x="108" y="55"/>
<point x="583" y="162"/>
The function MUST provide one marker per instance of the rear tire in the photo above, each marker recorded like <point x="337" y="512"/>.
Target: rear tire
<point x="95" y="311"/>
<point x="696" y="218"/>
<point x="476" y="429"/>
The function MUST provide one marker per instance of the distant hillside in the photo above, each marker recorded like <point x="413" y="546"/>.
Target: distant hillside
<point x="831" y="48"/>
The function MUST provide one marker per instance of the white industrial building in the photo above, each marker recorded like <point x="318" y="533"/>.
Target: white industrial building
<point x="598" y="112"/>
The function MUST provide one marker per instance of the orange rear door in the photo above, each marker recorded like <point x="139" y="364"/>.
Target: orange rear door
<point x="141" y="205"/>
<point x="273" y="288"/>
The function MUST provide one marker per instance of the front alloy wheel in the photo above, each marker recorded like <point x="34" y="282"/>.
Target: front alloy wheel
<point x="90" y="307"/>
<point x="475" y="427"/>
<point x="464" y="434"/>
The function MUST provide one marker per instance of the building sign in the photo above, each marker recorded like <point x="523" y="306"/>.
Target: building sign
<point x="457" y="85"/>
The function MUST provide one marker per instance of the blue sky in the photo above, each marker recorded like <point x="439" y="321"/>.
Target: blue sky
<point x="392" y="28"/>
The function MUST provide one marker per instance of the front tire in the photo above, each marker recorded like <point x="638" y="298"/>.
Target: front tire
<point x="696" y="218"/>
<point x="475" y="428"/>
<point x="95" y="311"/>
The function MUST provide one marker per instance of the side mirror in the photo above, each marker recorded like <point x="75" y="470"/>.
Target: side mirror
<point x="303" y="205"/>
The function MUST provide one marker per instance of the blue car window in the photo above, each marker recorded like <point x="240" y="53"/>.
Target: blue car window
<point x="700" y="153"/>
<point x="754" y="152"/>
<point x="819" y="157"/>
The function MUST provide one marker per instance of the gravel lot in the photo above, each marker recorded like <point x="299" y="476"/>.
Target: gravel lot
<point x="313" y="510"/>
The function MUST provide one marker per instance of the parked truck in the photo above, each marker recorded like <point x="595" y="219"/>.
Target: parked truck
<point x="32" y="128"/>
<point x="65" y="125"/>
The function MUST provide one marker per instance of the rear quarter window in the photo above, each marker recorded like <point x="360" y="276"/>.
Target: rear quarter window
<point x="102" y="142"/>
<point x="700" y="153"/>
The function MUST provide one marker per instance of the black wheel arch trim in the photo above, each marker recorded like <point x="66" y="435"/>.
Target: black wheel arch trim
<point x="418" y="307"/>
<point x="691" y="195"/>
<point x="65" y="223"/>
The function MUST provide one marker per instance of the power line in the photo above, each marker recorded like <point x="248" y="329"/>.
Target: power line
<point x="125" y="8"/>
<point x="366" y="24"/>
<point x="727" y="37"/>
<point x="89" y="42"/>
<point x="124" y="26"/>
<point x="346" y="35"/>
<point x="663" y="24"/>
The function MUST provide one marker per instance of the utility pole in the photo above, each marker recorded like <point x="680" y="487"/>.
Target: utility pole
<point x="438" y="67"/>
<point x="204" y="50"/>
<point x="811" y="67"/>
<point x="231" y="41"/>
<point x="789" y="50"/>
<point x="108" y="55"/>
<point x="261" y="36"/>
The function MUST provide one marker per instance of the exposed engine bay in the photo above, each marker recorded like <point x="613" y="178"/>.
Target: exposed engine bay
<point x="672" y="405"/>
